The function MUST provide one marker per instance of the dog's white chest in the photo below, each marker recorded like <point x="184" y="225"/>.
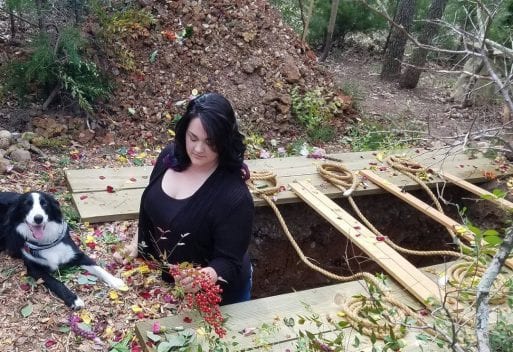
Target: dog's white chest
<point x="53" y="257"/>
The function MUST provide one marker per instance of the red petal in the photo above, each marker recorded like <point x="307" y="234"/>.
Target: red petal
<point x="187" y="320"/>
<point x="50" y="343"/>
<point x="110" y="189"/>
<point x="101" y="177"/>
<point x="84" y="196"/>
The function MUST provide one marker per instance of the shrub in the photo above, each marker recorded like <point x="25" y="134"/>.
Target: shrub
<point x="58" y="65"/>
<point x="313" y="109"/>
<point x="121" y="24"/>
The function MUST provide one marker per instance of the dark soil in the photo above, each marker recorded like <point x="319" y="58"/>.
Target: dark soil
<point x="279" y="269"/>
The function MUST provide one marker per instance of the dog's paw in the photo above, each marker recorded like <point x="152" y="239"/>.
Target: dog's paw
<point x="77" y="304"/>
<point x="117" y="284"/>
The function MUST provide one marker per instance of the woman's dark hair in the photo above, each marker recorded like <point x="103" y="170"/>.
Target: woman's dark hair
<point x="218" y="120"/>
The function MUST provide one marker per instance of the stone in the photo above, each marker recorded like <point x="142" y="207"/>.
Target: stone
<point x="5" y="166"/>
<point x="20" y="155"/>
<point x="290" y="71"/>
<point x="5" y="139"/>
<point x="28" y="136"/>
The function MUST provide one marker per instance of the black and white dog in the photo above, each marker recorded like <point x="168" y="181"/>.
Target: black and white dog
<point x="33" y="228"/>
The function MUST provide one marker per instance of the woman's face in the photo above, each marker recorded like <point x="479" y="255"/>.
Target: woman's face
<point x="200" y="148"/>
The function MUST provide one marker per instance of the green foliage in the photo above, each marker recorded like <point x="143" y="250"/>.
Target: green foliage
<point x="20" y="5"/>
<point x="372" y="135"/>
<point x="352" y="16"/>
<point x="462" y="14"/>
<point x="120" y="24"/>
<point x="55" y="64"/>
<point x="290" y="12"/>
<point x="323" y="133"/>
<point x="314" y="110"/>
<point x="501" y="336"/>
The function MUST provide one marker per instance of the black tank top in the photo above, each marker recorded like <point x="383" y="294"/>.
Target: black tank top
<point x="162" y="208"/>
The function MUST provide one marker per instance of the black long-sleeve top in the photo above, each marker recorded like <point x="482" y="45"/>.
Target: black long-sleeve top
<point x="217" y="221"/>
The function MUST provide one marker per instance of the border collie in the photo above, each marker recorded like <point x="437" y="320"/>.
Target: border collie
<point x="33" y="228"/>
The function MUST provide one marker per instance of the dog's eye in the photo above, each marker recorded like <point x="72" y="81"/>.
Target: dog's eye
<point x="43" y="202"/>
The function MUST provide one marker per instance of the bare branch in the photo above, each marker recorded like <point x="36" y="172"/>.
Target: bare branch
<point x="483" y="291"/>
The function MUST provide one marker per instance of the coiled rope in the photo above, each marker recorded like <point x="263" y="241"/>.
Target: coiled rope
<point x="465" y="277"/>
<point x="462" y="276"/>
<point x="263" y="184"/>
<point x="344" y="179"/>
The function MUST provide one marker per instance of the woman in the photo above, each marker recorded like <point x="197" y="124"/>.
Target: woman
<point x="196" y="207"/>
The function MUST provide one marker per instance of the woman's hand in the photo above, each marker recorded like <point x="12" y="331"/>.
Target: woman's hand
<point x="126" y="253"/>
<point x="186" y="278"/>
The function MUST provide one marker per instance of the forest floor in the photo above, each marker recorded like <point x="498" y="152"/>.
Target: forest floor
<point x="36" y="321"/>
<point x="32" y="320"/>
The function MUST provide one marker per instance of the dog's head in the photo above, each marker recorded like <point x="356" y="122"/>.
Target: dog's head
<point x="37" y="216"/>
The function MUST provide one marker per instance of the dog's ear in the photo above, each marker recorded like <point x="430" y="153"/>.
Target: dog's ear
<point x="7" y="200"/>
<point x="54" y="204"/>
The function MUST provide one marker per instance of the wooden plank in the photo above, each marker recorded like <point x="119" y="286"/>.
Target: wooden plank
<point x="103" y="206"/>
<point x="272" y="310"/>
<point x="89" y="180"/>
<point x="421" y="206"/>
<point x="392" y="262"/>
<point x="253" y="313"/>
<point x="478" y="191"/>
<point x="128" y="181"/>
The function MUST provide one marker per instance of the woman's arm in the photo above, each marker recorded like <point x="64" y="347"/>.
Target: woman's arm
<point x="231" y="235"/>
<point x="130" y="251"/>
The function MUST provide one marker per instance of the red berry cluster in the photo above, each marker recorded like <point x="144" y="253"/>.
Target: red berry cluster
<point x="205" y="299"/>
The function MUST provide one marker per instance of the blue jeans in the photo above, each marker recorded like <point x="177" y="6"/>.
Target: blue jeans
<point x="243" y="294"/>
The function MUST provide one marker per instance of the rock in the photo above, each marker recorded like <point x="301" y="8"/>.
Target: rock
<point x="48" y="127"/>
<point x="28" y="136"/>
<point x="85" y="136"/>
<point x="20" y="155"/>
<point x="5" y="166"/>
<point x="290" y="71"/>
<point x="5" y="139"/>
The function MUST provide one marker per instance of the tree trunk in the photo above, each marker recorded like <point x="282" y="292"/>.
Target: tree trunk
<point x="411" y="75"/>
<point x="39" y="8"/>
<point x="390" y="31"/>
<point x="13" y="24"/>
<point x="331" y="29"/>
<point x="308" y="17"/>
<point x="483" y="291"/>
<point x="391" y="68"/>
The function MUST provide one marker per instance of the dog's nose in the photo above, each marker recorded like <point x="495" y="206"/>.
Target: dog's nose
<point x="38" y="219"/>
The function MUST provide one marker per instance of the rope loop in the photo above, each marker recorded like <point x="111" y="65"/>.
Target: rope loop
<point x="463" y="277"/>
<point x="263" y="182"/>
<point x="376" y="316"/>
<point x="340" y="176"/>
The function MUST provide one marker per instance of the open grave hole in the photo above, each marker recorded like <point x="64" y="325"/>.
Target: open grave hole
<point x="278" y="268"/>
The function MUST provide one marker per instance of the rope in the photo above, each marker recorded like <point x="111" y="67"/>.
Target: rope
<point x="354" y="309"/>
<point x="464" y="278"/>
<point x="263" y="193"/>
<point x="376" y="316"/>
<point x="411" y="169"/>
<point x="341" y="177"/>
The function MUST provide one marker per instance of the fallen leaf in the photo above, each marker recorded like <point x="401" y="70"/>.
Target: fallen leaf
<point x="27" y="310"/>
<point x="85" y="316"/>
<point x="136" y="308"/>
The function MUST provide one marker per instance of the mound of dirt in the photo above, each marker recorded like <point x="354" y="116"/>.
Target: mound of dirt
<point x="241" y="49"/>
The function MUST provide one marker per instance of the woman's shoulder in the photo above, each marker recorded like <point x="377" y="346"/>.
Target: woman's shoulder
<point x="233" y="188"/>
